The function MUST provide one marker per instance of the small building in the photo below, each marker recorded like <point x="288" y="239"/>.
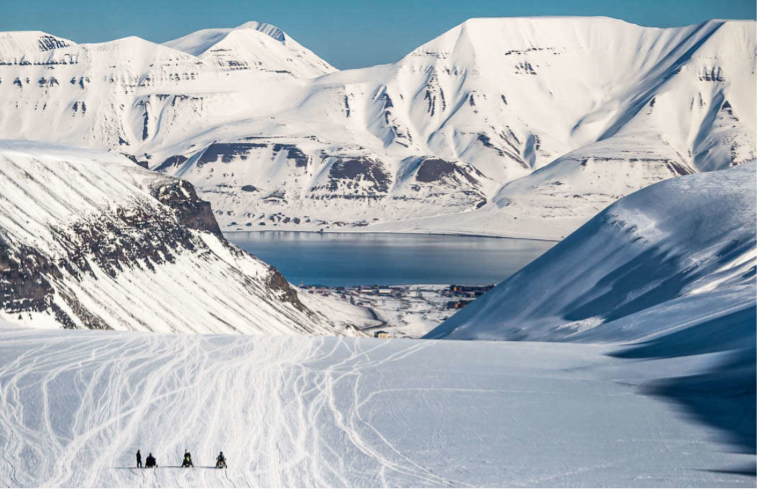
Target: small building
<point x="457" y="305"/>
<point x="472" y="291"/>
<point x="385" y="292"/>
<point x="381" y="334"/>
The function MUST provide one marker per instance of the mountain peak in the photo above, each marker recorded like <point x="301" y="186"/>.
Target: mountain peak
<point x="198" y="42"/>
<point x="252" y="45"/>
<point x="30" y="46"/>
<point x="268" y="29"/>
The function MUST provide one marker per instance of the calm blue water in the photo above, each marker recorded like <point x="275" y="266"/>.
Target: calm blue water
<point x="351" y="259"/>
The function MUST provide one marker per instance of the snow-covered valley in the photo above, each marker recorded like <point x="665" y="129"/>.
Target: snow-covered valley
<point x="328" y="411"/>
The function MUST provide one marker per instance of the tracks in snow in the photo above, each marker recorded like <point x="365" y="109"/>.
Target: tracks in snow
<point x="302" y="412"/>
<point x="74" y="408"/>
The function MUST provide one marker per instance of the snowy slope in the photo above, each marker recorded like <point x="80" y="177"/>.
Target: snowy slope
<point x="335" y="412"/>
<point x="671" y="268"/>
<point x="91" y="240"/>
<point x="130" y="94"/>
<point x="253" y="44"/>
<point x="514" y="126"/>
<point x="671" y="257"/>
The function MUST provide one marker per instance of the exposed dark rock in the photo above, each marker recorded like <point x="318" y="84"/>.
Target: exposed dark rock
<point x="278" y="283"/>
<point x="387" y="101"/>
<point x="347" y="172"/>
<point x="525" y="68"/>
<point x="713" y="74"/>
<point x="436" y="170"/>
<point x="293" y="153"/>
<point x="276" y="196"/>
<point x="141" y="163"/>
<point x="23" y="283"/>
<point x="191" y="211"/>
<point x="228" y="152"/>
<point x="249" y="188"/>
<point x="430" y="102"/>
<point x="528" y="50"/>
<point x="47" y="43"/>
<point x="145" y="120"/>
<point x="678" y="168"/>
<point x="172" y="161"/>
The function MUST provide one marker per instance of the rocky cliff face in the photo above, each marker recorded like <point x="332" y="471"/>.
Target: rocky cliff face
<point x="90" y="240"/>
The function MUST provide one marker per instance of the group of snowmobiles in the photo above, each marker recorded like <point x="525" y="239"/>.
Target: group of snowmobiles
<point x="150" y="461"/>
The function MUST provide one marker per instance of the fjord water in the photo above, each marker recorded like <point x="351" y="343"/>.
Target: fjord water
<point x="349" y="259"/>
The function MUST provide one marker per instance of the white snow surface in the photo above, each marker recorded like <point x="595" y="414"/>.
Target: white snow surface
<point x="523" y="127"/>
<point x="666" y="258"/>
<point x="87" y="230"/>
<point x="334" y="412"/>
<point x="671" y="271"/>
<point x="255" y="44"/>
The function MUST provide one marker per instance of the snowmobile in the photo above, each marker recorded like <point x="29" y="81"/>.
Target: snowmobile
<point x="150" y="461"/>
<point x="187" y="462"/>
<point x="221" y="460"/>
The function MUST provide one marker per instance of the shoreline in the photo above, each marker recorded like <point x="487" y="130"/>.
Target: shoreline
<point x="356" y="232"/>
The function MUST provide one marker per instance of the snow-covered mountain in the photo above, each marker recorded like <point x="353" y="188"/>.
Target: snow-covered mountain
<point x="514" y="126"/>
<point x="678" y="255"/>
<point x="253" y="45"/>
<point x="90" y="240"/>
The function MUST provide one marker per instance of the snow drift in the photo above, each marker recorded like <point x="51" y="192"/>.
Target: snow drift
<point x="516" y="126"/>
<point x="91" y="240"/>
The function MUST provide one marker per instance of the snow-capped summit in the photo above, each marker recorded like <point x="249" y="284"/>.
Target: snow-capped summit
<point x="250" y="46"/>
<point x="32" y="47"/>
<point x="268" y="29"/>
<point x="201" y="41"/>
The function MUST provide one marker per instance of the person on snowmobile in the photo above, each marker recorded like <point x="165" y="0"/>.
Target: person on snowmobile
<point x="139" y="459"/>
<point x="150" y="461"/>
<point x="221" y="460"/>
<point x="187" y="463"/>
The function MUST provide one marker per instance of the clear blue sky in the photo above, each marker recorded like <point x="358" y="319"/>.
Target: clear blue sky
<point x="348" y="34"/>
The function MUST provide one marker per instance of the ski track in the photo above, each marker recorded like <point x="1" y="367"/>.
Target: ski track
<point x="298" y="412"/>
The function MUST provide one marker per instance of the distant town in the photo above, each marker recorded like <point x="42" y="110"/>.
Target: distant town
<point x="408" y="311"/>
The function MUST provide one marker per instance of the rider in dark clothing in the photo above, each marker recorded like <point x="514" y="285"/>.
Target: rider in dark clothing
<point x="150" y="461"/>
<point x="139" y="459"/>
<point x="221" y="460"/>
<point x="187" y="462"/>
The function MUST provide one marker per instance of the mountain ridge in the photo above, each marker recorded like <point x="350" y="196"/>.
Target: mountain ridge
<point x="487" y="104"/>
<point x="90" y="240"/>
